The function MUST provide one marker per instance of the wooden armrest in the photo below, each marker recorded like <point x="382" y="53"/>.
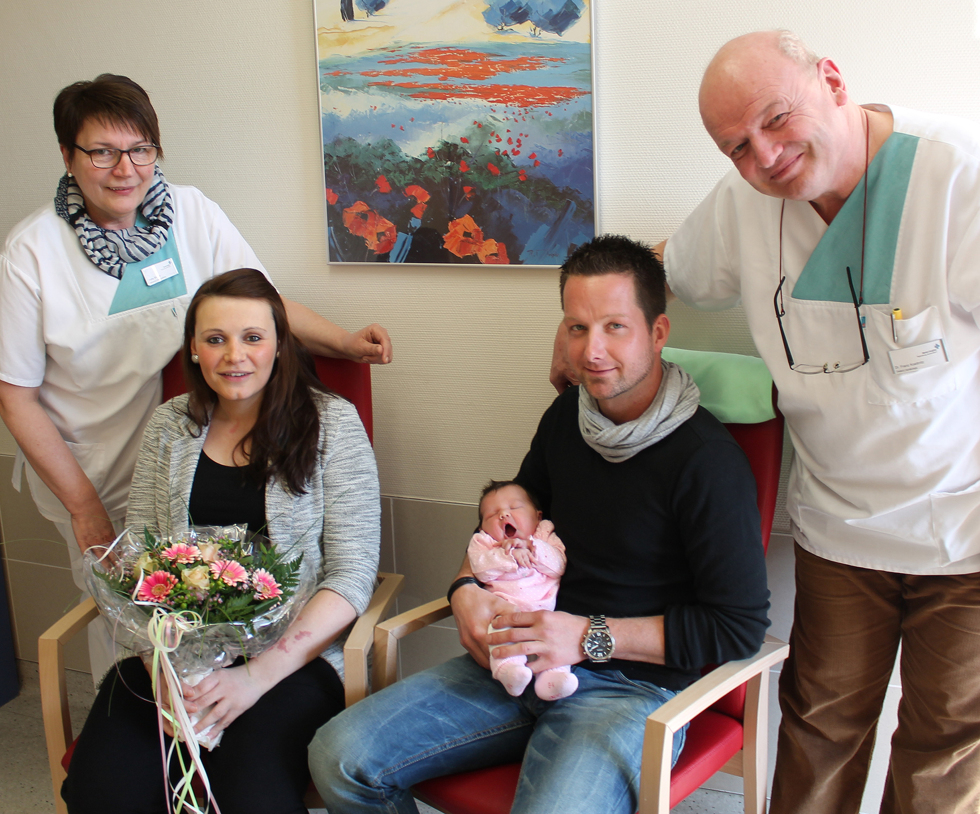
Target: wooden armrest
<point x="54" y="691"/>
<point x="695" y="699"/>
<point x="361" y="638"/>
<point x="387" y="634"/>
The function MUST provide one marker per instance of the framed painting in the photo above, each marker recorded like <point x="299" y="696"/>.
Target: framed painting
<point x="456" y="131"/>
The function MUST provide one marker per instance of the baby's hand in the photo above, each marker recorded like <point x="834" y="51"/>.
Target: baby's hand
<point x="522" y="556"/>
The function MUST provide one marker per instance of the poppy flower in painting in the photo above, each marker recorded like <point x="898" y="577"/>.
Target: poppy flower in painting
<point x="464" y="139"/>
<point x="332" y="197"/>
<point x="533" y="155"/>
<point x="468" y="192"/>
<point x="493" y="169"/>
<point x="415" y="191"/>
<point x="419" y="210"/>
<point x="493" y="252"/>
<point x="383" y="238"/>
<point x="464" y="237"/>
<point x="378" y="232"/>
<point x="430" y="152"/>
<point x="464" y="167"/>
<point x="382" y="184"/>
<point x="559" y="153"/>
<point x="360" y="219"/>
<point x="537" y="163"/>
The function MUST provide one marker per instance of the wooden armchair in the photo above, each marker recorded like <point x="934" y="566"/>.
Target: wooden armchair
<point x="727" y="708"/>
<point x="351" y="380"/>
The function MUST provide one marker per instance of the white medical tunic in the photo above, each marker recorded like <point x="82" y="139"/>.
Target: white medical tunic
<point x="887" y="466"/>
<point x="95" y="345"/>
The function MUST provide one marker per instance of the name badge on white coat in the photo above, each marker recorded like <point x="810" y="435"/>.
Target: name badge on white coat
<point x="159" y="272"/>
<point x="917" y="357"/>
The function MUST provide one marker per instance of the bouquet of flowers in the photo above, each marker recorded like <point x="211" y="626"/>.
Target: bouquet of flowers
<point x="193" y="602"/>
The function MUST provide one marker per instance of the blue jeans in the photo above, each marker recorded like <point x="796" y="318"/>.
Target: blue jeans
<point x="581" y="753"/>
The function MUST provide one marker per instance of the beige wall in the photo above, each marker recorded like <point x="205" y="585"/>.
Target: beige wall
<point x="234" y="84"/>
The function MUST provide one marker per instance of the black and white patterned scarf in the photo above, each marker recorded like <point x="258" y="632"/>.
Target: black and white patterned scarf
<point x="112" y="249"/>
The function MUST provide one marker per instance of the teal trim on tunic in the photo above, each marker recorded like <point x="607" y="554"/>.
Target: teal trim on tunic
<point x="824" y="277"/>
<point x="133" y="292"/>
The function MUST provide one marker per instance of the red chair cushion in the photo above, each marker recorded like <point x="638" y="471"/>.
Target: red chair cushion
<point x="712" y="739"/>
<point x="484" y="791"/>
<point x="66" y="758"/>
<point x="763" y="446"/>
<point x="353" y="381"/>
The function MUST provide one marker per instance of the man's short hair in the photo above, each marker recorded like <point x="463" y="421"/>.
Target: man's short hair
<point x="792" y="46"/>
<point x="616" y="254"/>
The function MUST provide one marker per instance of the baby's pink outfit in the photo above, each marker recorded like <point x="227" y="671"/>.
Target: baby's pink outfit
<point x="531" y="588"/>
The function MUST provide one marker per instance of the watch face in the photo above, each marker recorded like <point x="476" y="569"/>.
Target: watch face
<point x="598" y="645"/>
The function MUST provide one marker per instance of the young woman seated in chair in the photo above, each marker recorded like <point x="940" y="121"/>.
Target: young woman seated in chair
<point x="259" y="441"/>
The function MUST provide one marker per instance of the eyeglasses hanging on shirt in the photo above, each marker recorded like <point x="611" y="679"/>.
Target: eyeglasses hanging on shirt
<point x="826" y="367"/>
<point x="857" y="297"/>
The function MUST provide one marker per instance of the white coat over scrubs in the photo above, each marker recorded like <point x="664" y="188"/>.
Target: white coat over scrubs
<point x="887" y="467"/>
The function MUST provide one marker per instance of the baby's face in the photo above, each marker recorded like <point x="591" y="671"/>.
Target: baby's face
<point x="508" y="513"/>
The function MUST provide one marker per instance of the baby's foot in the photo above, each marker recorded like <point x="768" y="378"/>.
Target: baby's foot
<point x="554" y="684"/>
<point x="514" y="676"/>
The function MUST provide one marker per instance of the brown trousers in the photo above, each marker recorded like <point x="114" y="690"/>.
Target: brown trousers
<point x="847" y="627"/>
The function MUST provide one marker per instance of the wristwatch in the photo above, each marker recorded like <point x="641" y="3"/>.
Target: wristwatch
<point x="598" y="643"/>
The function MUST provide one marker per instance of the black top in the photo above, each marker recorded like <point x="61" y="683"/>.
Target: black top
<point x="674" y="530"/>
<point x="225" y="496"/>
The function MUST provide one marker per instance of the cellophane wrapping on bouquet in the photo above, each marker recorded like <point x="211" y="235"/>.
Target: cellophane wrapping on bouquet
<point x="229" y="592"/>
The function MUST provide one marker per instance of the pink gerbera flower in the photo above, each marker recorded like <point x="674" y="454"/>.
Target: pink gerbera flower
<point x="157" y="586"/>
<point x="181" y="552"/>
<point x="265" y="585"/>
<point x="229" y="572"/>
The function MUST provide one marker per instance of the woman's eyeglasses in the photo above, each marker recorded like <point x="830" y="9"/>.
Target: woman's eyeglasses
<point x="105" y="158"/>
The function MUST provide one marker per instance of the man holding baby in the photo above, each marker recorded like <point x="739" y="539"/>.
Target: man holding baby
<point x="655" y="504"/>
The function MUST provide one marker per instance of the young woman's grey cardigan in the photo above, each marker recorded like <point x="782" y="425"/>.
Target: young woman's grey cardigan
<point x="337" y="523"/>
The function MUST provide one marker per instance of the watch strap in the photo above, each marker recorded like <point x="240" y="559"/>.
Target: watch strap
<point x="459" y="583"/>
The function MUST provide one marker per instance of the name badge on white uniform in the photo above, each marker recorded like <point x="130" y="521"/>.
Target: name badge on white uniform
<point x="917" y="357"/>
<point x="159" y="272"/>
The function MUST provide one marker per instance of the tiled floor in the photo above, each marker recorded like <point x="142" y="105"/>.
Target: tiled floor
<point x="25" y="785"/>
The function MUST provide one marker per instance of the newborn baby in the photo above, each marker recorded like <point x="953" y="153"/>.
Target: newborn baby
<point x="518" y="557"/>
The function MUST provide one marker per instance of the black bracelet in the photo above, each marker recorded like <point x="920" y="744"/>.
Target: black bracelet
<point x="459" y="583"/>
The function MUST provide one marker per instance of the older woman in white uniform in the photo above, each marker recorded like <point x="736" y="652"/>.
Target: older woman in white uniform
<point x="93" y="290"/>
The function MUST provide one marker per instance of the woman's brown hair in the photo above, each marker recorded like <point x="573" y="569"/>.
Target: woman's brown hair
<point x="284" y="442"/>
<point x="109" y="99"/>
